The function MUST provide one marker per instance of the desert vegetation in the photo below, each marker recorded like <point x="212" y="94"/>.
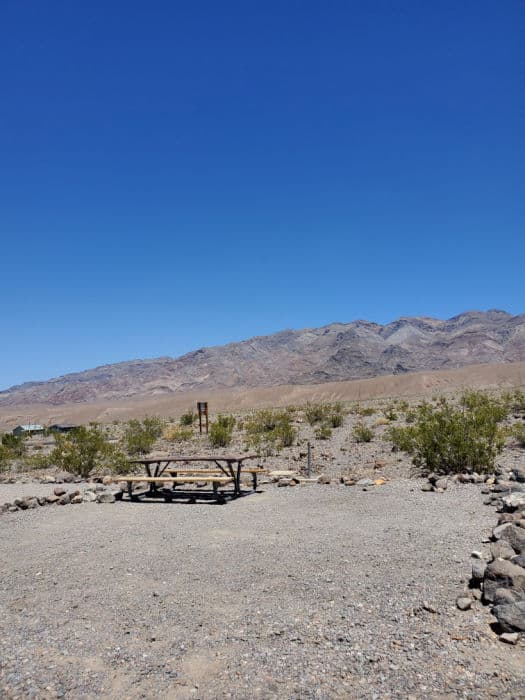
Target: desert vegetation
<point x="444" y="434"/>
<point x="450" y="437"/>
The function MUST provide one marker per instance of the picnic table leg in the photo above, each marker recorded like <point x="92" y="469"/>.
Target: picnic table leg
<point x="237" y="478"/>
<point x="153" y="490"/>
<point x="130" y="490"/>
<point x="217" y="495"/>
<point x="254" y="481"/>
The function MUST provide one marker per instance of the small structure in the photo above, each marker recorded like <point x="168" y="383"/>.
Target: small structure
<point x="62" y="427"/>
<point x="29" y="429"/>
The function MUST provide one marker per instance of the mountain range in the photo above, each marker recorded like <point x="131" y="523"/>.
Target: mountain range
<point x="336" y="352"/>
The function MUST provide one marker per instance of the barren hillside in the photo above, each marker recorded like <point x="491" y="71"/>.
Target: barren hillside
<point x="334" y="353"/>
<point x="406" y="385"/>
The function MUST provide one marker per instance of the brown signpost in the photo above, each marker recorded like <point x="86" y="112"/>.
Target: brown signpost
<point x="202" y="408"/>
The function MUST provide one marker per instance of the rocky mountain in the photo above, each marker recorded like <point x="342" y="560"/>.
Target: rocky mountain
<point x="336" y="352"/>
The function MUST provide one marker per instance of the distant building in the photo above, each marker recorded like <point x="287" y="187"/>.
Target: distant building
<point x="62" y="427"/>
<point x="30" y="429"/>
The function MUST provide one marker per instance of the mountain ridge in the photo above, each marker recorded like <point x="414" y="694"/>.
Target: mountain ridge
<point x="334" y="352"/>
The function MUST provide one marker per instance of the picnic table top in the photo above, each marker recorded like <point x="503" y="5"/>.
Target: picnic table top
<point x="194" y="458"/>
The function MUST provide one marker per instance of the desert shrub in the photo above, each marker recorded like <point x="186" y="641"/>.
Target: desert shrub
<point x="381" y="421"/>
<point x="5" y="457"/>
<point x="402" y="405"/>
<point x="323" y="432"/>
<point x="335" y="415"/>
<point x="362" y="433"/>
<point x="85" y="450"/>
<point x="187" y="418"/>
<point x="268" y="431"/>
<point x="518" y="433"/>
<point x="365" y="411"/>
<point x="401" y="438"/>
<point x="336" y="420"/>
<point x="410" y="416"/>
<point x="450" y="438"/>
<point x="178" y="433"/>
<point x="515" y="400"/>
<point x="315" y="412"/>
<point x="14" y="444"/>
<point x="221" y="430"/>
<point x="390" y="414"/>
<point x="139" y="436"/>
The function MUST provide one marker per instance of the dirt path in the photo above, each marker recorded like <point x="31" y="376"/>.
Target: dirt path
<point x="312" y="592"/>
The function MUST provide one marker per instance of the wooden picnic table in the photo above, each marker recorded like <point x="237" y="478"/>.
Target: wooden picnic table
<point x="229" y="465"/>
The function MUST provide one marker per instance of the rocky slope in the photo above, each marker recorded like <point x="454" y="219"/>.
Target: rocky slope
<point x="336" y="352"/>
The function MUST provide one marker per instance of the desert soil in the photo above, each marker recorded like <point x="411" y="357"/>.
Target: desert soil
<point x="413" y="385"/>
<point x="305" y="592"/>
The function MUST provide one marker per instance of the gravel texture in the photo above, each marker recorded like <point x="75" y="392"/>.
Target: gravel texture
<point x="305" y="592"/>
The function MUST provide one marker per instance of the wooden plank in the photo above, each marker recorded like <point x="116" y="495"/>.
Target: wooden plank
<point x="172" y="479"/>
<point x="195" y="458"/>
<point x="210" y="470"/>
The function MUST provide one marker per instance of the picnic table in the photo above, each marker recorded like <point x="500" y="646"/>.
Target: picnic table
<point x="227" y="469"/>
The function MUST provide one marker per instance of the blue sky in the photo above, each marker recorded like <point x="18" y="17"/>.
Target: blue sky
<point x="174" y="175"/>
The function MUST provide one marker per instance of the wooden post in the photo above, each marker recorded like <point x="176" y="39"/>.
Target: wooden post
<point x="202" y="408"/>
<point x="309" y="460"/>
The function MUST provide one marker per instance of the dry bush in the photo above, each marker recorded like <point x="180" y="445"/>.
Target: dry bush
<point x="176" y="433"/>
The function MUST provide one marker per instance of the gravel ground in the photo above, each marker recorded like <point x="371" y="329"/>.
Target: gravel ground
<point x="305" y="592"/>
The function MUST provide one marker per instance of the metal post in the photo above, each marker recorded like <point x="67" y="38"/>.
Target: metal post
<point x="309" y="461"/>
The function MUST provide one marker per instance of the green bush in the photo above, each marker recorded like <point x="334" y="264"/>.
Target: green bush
<point x="515" y="400"/>
<point x="324" y="432"/>
<point x="268" y="431"/>
<point x="315" y="412"/>
<point x="449" y="438"/>
<point x="410" y="416"/>
<point x="85" y="450"/>
<point x="139" y="436"/>
<point x="365" y="411"/>
<point x="336" y="413"/>
<point x="221" y="431"/>
<point x="390" y="414"/>
<point x="362" y="433"/>
<point x="5" y="457"/>
<point x="14" y="444"/>
<point x="187" y="418"/>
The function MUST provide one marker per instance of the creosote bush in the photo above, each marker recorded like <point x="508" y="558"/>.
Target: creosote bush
<point x="315" y="412"/>
<point x="269" y="431"/>
<point x="335" y="415"/>
<point x="187" y="418"/>
<point x="139" y="436"/>
<point x="362" y="433"/>
<point x="515" y="400"/>
<point x="326" y="413"/>
<point x="365" y="411"/>
<point x="12" y="447"/>
<point x="85" y="450"/>
<point x="448" y="437"/>
<point x="221" y="430"/>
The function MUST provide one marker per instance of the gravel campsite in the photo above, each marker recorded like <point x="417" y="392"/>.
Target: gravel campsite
<point x="320" y="591"/>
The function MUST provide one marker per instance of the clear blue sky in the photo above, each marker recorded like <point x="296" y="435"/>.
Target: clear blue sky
<point x="174" y="175"/>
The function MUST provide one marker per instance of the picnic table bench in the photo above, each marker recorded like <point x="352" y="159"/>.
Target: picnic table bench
<point x="227" y="470"/>
<point x="167" y="494"/>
